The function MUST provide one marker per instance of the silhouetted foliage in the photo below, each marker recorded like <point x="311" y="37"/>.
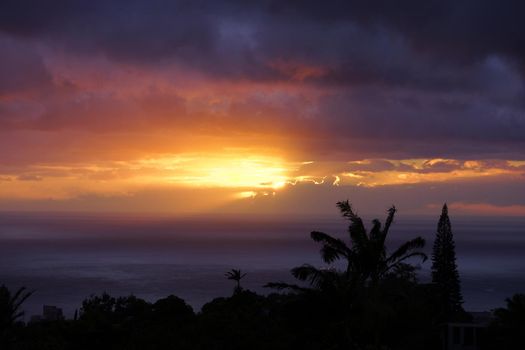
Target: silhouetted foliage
<point x="508" y="329"/>
<point x="237" y="276"/>
<point x="514" y="314"/>
<point x="403" y="310"/>
<point x="362" y="303"/>
<point x="366" y="258"/>
<point x="10" y="305"/>
<point x="444" y="269"/>
<point x="10" y="311"/>
<point x="172" y="310"/>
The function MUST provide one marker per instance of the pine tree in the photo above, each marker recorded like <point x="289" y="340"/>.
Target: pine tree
<point x="444" y="269"/>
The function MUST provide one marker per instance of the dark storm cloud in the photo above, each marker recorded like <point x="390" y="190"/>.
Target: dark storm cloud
<point x="138" y="32"/>
<point x="464" y="30"/>
<point x="21" y="67"/>
<point x="358" y="42"/>
<point x="121" y="28"/>
<point x="409" y="113"/>
<point x="399" y="78"/>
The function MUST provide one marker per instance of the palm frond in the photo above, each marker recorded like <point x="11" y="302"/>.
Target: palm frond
<point x="358" y="235"/>
<point x="333" y="248"/>
<point x="326" y="238"/>
<point x="19" y="298"/>
<point x="13" y="302"/>
<point x="375" y="232"/>
<point x="406" y="248"/>
<point x="234" y="274"/>
<point x="389" y="219"/>
<point x="330" y="254"/>
<point x="313" y="275"/>
<point x="422" y="255"/>
<point x="346" y="209"/>
<point x="356" y="229"/>
<point x="305" y="272"/>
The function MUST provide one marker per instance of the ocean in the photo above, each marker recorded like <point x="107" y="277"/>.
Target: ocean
<point x="65" y="258"/>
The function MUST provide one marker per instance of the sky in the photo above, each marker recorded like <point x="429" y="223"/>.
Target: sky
<point x="262" y="107"/>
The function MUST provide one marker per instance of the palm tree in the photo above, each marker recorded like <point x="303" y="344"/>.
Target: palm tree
<point x="10" y="306"/>
<point x="235" y="275"/>
<point x="357" y="287"/>
<point x="366" y="259"/>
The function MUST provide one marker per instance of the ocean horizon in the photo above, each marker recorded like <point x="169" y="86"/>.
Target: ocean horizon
<point x="66" y="257"/>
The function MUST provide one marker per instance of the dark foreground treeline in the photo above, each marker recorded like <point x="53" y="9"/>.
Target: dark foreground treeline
<point x="375" y="302"/>
<point x="250" y="321"/>
<point x="243" y="321"/>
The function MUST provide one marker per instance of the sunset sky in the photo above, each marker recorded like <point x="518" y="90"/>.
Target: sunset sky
<point x="263" y="107"/>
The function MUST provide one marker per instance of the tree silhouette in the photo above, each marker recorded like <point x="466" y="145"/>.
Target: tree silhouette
<point x="10" y="305"/>
<point x="10" y="312"/>
<point x="366" y="259"/>
<point x="509" y="323"/>
<point x="514" y="314"/>
<point x="444" y="268"/>
<point x="237" y="276"/>
<point x="362" y="291"/>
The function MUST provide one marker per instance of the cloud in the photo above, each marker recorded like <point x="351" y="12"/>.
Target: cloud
<point x="488" y="209"/>
<point x="462" y="32"/>
<point x="29" y="177"/>
<point x="21" y="67"/>
<point x="161" y="185"/>
<point x="353" y="41"/>
<point x="336" y="81"/>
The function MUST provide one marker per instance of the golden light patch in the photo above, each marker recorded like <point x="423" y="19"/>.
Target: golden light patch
<point x="414" y="171"/>
<point x="234" y="171"/>
<point x="231" y="169"/>
<point x="246" y="194"/>
<point x="248" y="173"/>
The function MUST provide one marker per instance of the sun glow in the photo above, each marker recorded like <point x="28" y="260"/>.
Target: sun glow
<point x="227" y="170"/>
<point x="241" y="173"/>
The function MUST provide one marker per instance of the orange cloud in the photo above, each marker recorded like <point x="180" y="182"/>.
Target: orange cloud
<point x="246" y="171"/>
<point x="372" y="173"/>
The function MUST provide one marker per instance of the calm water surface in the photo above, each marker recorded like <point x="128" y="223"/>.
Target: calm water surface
<point x="65" y="258"/>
